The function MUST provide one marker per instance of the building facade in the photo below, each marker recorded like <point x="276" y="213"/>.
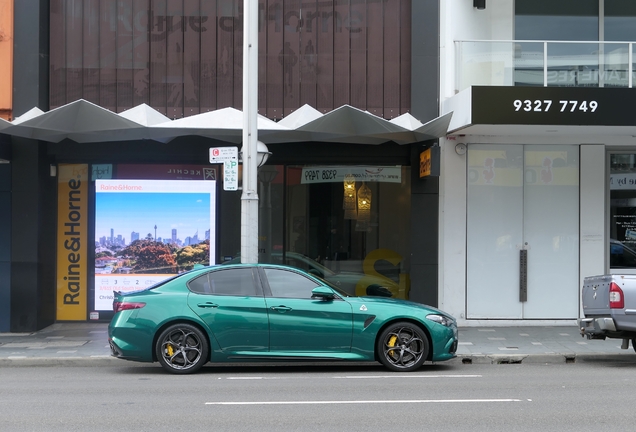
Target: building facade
<point x="536" y="168"/>
<point x="537" y="165"/>
<point x="71" y="241"/>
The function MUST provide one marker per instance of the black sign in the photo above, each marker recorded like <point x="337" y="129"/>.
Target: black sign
<point x="570" y="106"/>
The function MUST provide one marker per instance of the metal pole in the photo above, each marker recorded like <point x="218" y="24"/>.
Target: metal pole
<point x="249" y="198"/>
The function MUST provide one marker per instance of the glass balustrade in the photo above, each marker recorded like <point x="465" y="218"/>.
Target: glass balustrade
<point x="543" y="63"/>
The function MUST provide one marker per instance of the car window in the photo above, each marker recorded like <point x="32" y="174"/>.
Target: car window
<point x="233" y="282"/>
<point x="284" y="283"/>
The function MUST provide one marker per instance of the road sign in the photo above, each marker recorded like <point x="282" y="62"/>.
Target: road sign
<point x="230" y="175"/>
<point x="223" y="154"/>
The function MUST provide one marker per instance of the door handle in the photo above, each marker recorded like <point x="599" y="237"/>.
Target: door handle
<point x="281" y="309"/>
<point x="208" y="305"/>
<point x="523" y="275"/>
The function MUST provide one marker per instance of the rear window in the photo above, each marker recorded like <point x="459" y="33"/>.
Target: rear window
<point x="233" y="282"/>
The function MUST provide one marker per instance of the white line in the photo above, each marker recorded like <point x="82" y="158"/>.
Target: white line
<point x="367" y="402"/>
<point x="245" y="378"/>
<point x="363" y="377"/>
<point x="406" y="376"/>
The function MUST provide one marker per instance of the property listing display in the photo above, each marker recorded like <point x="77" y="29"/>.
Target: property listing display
<point x="149" y="230"/>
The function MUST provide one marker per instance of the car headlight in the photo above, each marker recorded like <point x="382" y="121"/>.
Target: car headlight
<point x="440" y="319"/>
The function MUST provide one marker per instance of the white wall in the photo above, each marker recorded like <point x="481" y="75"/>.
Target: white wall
<point x="593" y="242"/>
<point x="452" y="229"/>
<point x="460" y="21"/>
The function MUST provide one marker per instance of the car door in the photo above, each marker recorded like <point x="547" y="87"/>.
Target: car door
<point x="231" y="303"/>
<point x="299" y="323"/>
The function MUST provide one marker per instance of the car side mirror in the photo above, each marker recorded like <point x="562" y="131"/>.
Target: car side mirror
<point x="323" y="293"/>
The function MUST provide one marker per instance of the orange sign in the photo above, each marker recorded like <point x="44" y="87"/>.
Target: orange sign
<point x="72" y="221"/>
<point x="6" y="58"/>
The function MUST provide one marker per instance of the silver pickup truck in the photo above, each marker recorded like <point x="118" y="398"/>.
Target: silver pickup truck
<point x="609" y="306"/>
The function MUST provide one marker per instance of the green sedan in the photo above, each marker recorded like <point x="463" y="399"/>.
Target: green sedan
<point x="264" y="312"/>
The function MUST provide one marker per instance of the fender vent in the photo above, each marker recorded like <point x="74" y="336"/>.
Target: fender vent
<point x="368" y="321"/>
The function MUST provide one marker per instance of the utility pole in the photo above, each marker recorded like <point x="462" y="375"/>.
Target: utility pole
<point x="249" y="198"/>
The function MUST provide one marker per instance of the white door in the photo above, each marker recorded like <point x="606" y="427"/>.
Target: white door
<point x="522" y="233"/>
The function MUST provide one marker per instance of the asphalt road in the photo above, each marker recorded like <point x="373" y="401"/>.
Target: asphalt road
<point x="596" y="395"/>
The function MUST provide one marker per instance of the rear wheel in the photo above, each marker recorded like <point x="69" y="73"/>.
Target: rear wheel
<point x="182" y="348"/>
<point x="402" y="347"/>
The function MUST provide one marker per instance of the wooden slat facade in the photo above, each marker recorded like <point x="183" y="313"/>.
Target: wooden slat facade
<point x="183" y="57"/>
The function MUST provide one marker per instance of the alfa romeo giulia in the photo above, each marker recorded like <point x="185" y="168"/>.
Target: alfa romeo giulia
<point x="263" y="312"/>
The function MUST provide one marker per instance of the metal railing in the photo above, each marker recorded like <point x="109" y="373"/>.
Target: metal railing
<point x="544" y="63"/>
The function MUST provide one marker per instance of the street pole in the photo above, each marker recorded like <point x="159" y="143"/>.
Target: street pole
<point x="249" y="198"/>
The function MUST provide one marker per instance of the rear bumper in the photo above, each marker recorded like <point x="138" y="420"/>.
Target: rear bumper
<point x="603" y="327"/>
<point x="596" y="326"/>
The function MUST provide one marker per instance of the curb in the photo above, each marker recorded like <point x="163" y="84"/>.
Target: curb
<point x="460" y="360"/>
<point x="94" y="361"/>
<point x="556" y="358"/>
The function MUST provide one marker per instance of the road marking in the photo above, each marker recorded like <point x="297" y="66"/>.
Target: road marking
<point x="366" y="402"/>
<point x="405" y="376"/>
<point x="360" y="377"/>
<point x="246" y="378"/>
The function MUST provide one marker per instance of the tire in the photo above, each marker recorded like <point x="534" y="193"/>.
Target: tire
<point x="182" y="349"/>
<point x="634" y="344"/>
<point x="402" y="347"/>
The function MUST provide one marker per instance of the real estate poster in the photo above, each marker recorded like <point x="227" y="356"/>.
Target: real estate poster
<point x="149" y="230"/>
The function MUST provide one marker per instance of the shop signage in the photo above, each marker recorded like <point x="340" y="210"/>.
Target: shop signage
<point x="164" y="172"/>
<point x="625" y="181"/>
<point x="102" y="171"/>
<point x="72" y="249"/>
<point x="336" y="174"/>
<point x="570" y="106"/>
<point x="429" y="162"/>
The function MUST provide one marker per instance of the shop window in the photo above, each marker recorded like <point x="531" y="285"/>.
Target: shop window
<point x="622" y="211"/>
<point x="349" y="225"/>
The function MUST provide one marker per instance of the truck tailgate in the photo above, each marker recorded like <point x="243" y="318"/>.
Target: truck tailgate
<point x="595" y="295"/>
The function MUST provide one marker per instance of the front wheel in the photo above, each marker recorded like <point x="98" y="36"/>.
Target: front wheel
<point x="182" y="348"/>
<point x="402" y="347"/>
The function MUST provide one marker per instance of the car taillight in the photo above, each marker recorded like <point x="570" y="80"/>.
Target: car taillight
<point x="616" y="297"/>
<point x="122" y="306"/>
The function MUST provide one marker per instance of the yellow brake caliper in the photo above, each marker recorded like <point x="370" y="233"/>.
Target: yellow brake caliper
<point x="392" y="344"/>
<point x="169" y="350"/>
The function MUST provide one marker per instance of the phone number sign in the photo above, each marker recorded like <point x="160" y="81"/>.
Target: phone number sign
<point x="553" y="106"/>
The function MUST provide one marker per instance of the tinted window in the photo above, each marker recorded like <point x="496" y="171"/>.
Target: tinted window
<point x="621" y="256"/>
<point x="234" y="282"/>
<point x="620" y="20"/>
<point x="288" y="284"/>
<point x="556" y="20"/>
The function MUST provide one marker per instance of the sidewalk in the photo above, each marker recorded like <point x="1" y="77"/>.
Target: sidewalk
<point x="86" y="344"/>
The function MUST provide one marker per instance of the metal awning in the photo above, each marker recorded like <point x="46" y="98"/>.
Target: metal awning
<point x="85" y="122"/>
